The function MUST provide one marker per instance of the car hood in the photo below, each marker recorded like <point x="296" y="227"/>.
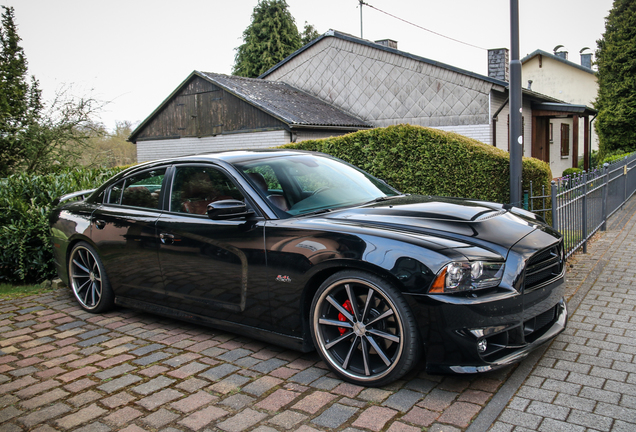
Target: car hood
<point x="493" y="226"/>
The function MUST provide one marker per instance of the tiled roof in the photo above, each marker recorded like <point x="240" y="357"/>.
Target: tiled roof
<point x="285" y="102"/>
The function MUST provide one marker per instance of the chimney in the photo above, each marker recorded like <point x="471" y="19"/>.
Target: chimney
<point x="586" y="58"/>
<point x="389" y="43"/>
<point x="560" y="54"/>
<point x="499" y="64"/>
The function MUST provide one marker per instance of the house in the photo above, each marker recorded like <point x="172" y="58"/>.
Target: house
<point x="340" y="83"/>
<point x="554" y="75"/>
<point x="210" y="112"/>
<point x="383" y="86"/>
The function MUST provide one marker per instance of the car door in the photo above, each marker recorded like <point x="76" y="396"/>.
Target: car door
<point x="212" y="267"/>
<point x="125" y="235"/>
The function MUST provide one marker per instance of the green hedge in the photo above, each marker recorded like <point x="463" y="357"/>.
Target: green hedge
<point x="25" y="203"/>
<point x="428" y="161"/>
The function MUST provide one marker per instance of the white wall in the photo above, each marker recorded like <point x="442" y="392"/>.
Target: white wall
<point x="169" y="148"/>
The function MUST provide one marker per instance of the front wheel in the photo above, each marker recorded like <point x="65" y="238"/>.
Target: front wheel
<point x="363" y="329"/>
<point x="88" y="279"/>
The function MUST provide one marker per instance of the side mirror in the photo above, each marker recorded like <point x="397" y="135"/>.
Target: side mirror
<point x="228" y="209"/>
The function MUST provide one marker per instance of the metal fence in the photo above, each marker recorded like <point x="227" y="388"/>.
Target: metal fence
<point x="580" y="205"/>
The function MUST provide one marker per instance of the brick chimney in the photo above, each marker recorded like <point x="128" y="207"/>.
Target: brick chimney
<point x="389" y="43"/>
<point x="499" y="64"/>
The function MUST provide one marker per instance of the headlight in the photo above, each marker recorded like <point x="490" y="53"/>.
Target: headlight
<point x="466" y="276"/>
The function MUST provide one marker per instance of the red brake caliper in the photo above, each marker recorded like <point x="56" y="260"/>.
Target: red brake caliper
<point x="341" y="317"/>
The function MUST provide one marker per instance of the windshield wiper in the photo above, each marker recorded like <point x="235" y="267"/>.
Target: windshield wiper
<point x="315" y="212"/>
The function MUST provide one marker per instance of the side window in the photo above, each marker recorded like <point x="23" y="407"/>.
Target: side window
<point x="140" y="190"/>
<point x="195" y="187"/>
<point x="114" y="194"/>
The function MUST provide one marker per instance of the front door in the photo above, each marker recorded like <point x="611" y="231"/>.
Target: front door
<point x="211" y="267"/>
<point x="541" y="139"/>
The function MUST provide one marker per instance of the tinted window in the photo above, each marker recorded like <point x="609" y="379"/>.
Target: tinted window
<point x="140" y="190"/>
<point x="197" y="186"/>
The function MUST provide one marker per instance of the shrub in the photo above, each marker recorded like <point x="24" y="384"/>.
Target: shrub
<point x="25" y="203"/>
<point x="572" y="171"/>
<point x="427" y="161"/>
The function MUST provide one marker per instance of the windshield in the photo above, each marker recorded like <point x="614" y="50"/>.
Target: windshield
<point x="307" y="183"/>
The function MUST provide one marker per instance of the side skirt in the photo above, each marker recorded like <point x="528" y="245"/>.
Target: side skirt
<point x="285" y="341"/>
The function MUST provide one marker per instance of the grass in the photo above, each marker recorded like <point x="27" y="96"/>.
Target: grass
<point x="8" y="291"/>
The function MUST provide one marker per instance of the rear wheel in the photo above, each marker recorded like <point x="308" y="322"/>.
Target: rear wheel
<point x="88" y="279"/>
<point x="363" y="329"/>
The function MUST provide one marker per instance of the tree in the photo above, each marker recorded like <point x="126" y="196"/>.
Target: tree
<point x="616" y="100"/>
<point x="20" y="102"/>
<point x="271" y="36"/>
<point x="309" y="33"/>
<point x="33" y="137"/>
<point x="110" y="149"/>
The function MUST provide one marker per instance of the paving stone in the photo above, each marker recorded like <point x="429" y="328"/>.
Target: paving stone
<point x="119" y="399"/>
<point x="232" y="356"/>
<point x="261" y="385"/>
<point x="193" y="402"/>
<point x="44" y="414"/>
<point x="326" y="383"/>
<point x="8" y="413"/>
<point x="123" y="416"/>
<point x="403" y="400"/>
<point x="82" y="416"/>
<point x="202" y="418"/>
<point x="44" y="399"/>
<point x="160" y="418"/>
<point x="119" y="383"/>
<point x="217" y="373"/>
<point x="277" y="400"/>
<point x="308" y="376"/>
<point x="421" y="416"/>
<point x="374" y="418"/>
<point x="153" y="385"/>
<point x="335" y="416"/>
<point x="238" y="401"/>
<point x="152" y="358"/>
<point x="80" y="385"/>
<point x="160" y="398"/>
<point x="314" y="402"/>
<point x="188" y="370"/>
<point x="115" y="371"/>
<point x="192" y="384"/>
<point x="438" y="400"/>
<point x="241" y="421"/>
<point x="84" y="398"/>
<point x="269" y="365"/>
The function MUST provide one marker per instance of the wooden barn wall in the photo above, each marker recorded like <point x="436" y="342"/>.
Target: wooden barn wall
<point x="203" y="109"/>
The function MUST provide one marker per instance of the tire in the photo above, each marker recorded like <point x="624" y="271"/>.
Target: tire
<point x="377" y="343"/>
<point x="88" y="279"/>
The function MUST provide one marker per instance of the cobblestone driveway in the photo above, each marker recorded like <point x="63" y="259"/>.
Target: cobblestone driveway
<point x="64" y="369"/>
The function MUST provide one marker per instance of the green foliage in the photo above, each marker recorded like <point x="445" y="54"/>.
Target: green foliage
<point x="428" y="161"/>
<point x="33" y="137"/>
<point x="616" y="60"/>
<point x="25" y="203"/>
<point x="271" y="37"/>
<point x="9" y="291"/>
<point x="614" y="158"/>
<point x="572" y="171"/>
<point x="20" y="102"/>
<point x="110" y="149"/>
<point x="309" y="33"/>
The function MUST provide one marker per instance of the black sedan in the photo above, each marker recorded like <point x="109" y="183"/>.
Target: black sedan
<point x="306" y="251"/>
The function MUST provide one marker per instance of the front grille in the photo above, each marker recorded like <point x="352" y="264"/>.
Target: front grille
<point x="532" y="328"/>
<point x="543" y="267"/>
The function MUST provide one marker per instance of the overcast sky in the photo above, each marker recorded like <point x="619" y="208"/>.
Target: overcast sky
<point x="134" y="53"/>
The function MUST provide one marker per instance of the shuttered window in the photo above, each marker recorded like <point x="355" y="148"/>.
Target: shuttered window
<point x="565" y="139"/>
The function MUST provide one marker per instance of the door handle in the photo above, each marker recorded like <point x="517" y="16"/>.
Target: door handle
<point x="100" y="224"/>
<point x="166" y="238"/>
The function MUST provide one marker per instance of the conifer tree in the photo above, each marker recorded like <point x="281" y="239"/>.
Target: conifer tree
<point x="20" y="103"/>
<point x="271" y="36"/>
<point x="616" y="100"/>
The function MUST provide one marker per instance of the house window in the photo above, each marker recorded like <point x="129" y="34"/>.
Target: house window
<point x="565" y="140"/>
<point x="551" y="133"/>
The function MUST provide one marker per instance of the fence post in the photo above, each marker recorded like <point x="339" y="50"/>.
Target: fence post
<point x="625" y="174"/>
<point x="584" y="216"/>
<point x="605" y="193"/>
<point x="553" y="192"/>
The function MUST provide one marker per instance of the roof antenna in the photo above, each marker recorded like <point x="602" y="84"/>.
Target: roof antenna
<point x="361" y="3"/>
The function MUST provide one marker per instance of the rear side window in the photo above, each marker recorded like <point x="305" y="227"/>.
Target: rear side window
<point x="139" y="190"/>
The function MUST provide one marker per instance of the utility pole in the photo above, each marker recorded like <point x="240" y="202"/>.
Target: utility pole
<point x="361" y="3"/>
<point x="516" y="137"/>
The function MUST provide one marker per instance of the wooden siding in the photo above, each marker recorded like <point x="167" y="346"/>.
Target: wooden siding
<point x="203" y="109"/>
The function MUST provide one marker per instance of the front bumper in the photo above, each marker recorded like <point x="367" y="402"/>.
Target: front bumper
<point x="511" y="325"/>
